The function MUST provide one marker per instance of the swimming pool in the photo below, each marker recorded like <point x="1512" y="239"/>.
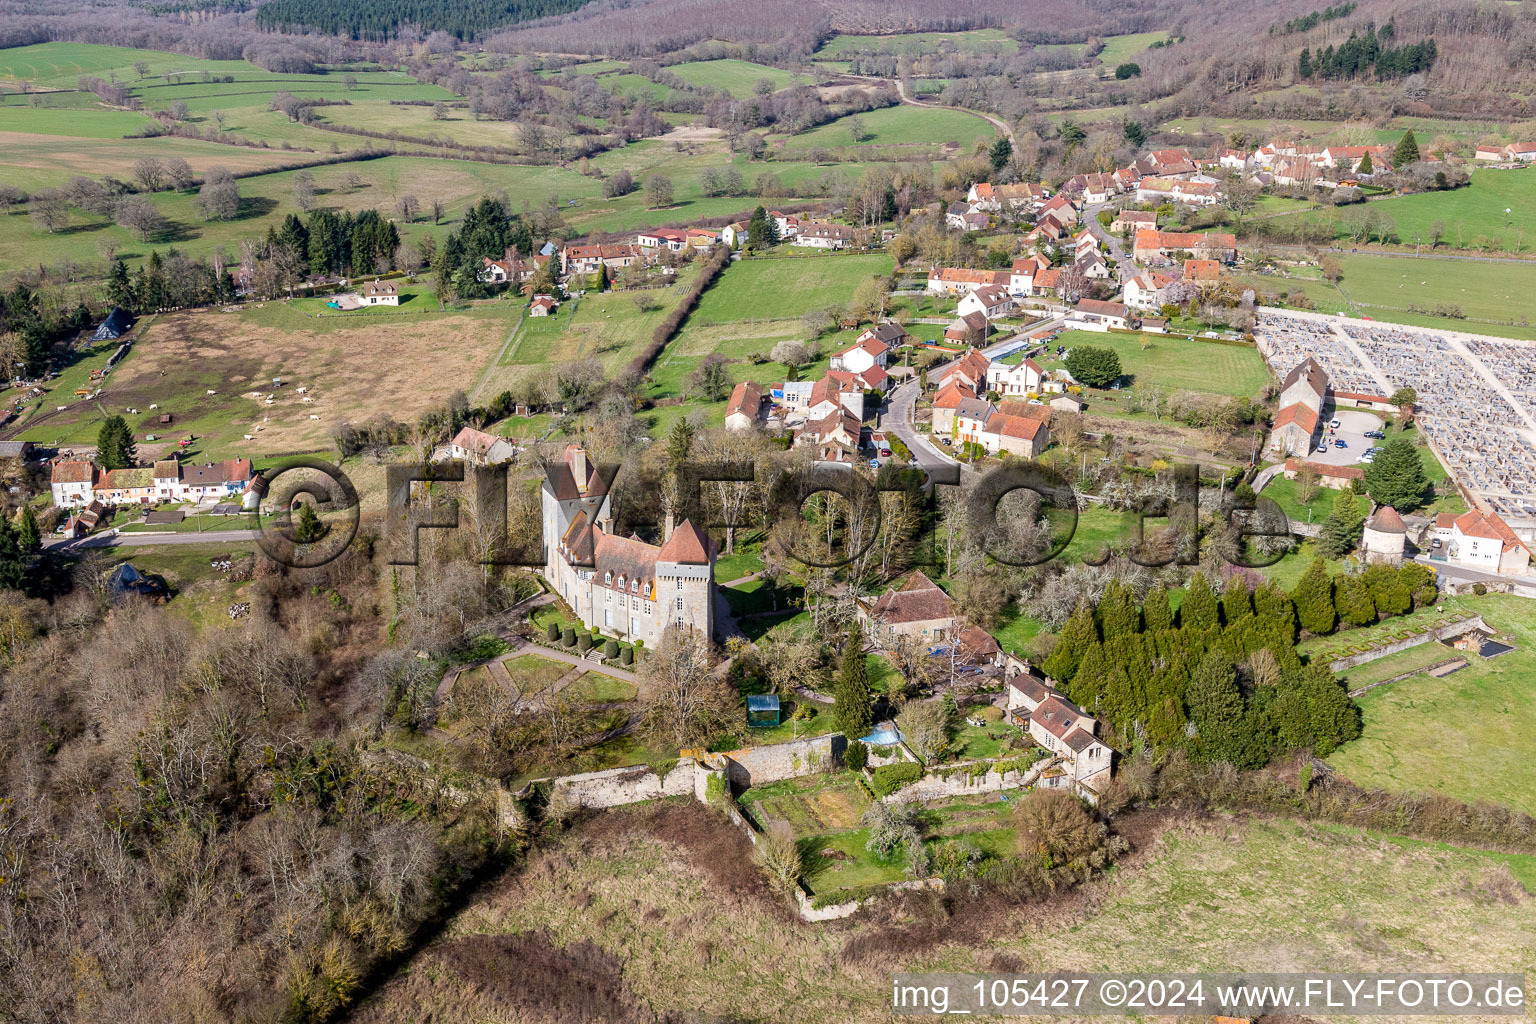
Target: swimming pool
<point x="883" y="735"/>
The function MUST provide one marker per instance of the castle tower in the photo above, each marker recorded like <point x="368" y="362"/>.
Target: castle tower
<point x="1385" y="536"/>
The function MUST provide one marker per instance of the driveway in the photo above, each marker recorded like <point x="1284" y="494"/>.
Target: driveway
<point x="1353" y="424"/>
<point x="139" y="540"/>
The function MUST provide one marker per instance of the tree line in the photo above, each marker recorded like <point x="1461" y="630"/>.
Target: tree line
<point x="1360" y="55"/>
<point x="383" y="19"/>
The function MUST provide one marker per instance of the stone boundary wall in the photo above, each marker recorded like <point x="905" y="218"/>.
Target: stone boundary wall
<point x="961" y="783"/>
<point x="1456" y="628"/>
<point x="757" y="766"/>
<point x="614" y="787"/>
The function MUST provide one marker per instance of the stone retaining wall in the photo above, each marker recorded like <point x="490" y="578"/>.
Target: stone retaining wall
<point x="614" y="787"/>
<point x="962" y="783"/>
<point x="1456" y="628"/>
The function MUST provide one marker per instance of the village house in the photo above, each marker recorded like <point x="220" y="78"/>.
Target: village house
<point x="1201" y="273"/>
<point x="970" y="369"/>
<point x="1147" y="290"/>
<point x="954" y="400"/>
<point x="1490" y="154"/>
<point x="823" y="236"/>
<point x="511" y="269"/>
<point x="1194" y="193"/>
<point x="1480" y="540"/>
<point x="670" y="239"/>
<point x="991" y="300"/>
<point x="1021" y="278"/>
<point x="993" y="198"/>
<point x="1064" y="729"/>
<point x="1098" y="315"/>
<point x="816" y="399"/>
<point x="734" y="235"/>
<point x="1005" y="433"/>
<point x="623" y="587"/>
<point x="73" y="482"/>
<point x="1019" y="379"/>
<point x="1133" y="220"/>
<point x="381" y="293"/>
<point x="888" y="333"/>
<point x="746" y="407"/>
<point x="1092" y="188"/>
<point x="701" y="238"/>
<point x="861" y="355"/>
<point x="588" y="259"/>
<point x="543" y="305"/>
<point x="1162" y="246"/>
<point x="1060" y="209"/>
<point x="479" y="448"/>
<point x="918" y="607"/>
<point x="958" y="280"/>
<point x="77" y="483"/>
<point x="968" y="329"/>
<point x="787" y="223"/>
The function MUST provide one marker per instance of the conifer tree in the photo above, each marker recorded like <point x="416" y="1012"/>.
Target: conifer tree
<point x="1071" y="644"/>
<point x="1407" y="150"/>
<point x="1117" y="612"/>
<point x="851" y="697"/>
<point x="1274" y="608"/>
<point x="1313" y="598"/>
<point x="1199" y="608"/>
<point x="1236" y="603"/>
<point x="28" y="536"/>
<point x="1216" y="707"/>
<point x="1352" y="600"/>
<point x="1087" y="685"/>
<point x="1156" y="610"/>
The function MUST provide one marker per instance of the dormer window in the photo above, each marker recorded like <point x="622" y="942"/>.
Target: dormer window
<point x="634" y="585"/>
<point x="607" y="579"/>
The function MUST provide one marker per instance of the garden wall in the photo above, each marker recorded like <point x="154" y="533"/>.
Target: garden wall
<point x="1456" y="628"/>
<point x="756" y="766"/>
<point x="961" y="783"/>
<point x="614" y="787"/>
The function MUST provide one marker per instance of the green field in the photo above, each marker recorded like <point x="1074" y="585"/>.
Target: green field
<point x="1494" y="291"/>
<point x="1119" y="49"/>
<point x="778" y="288"/>
<point x="740" y="78"/>
<point x="1283" y="491"/>
<point x="59" y="65"/>
<point x="1468" y="735"/>
<point x="954" y="130"/>
<point x="1473" y="217"/>
<point x="979" y="41"/>
<point x="1178" y="364"/>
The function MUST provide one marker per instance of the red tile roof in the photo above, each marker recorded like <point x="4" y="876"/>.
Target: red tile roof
<point x="688" y="545"/>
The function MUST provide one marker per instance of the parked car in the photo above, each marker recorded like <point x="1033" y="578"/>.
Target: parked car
<point x="946" y="441"/>
<point x="1341" y="443"/>
<point x="1378" y="435"/>
<point x="885" y="453"/>
<point x="1333" y="424"/>
<point x="1322" y="449"/>
<point x="1367" y="459"/>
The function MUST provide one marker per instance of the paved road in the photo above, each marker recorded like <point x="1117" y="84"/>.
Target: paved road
<point x="1462" y="574"/>
<point x="1123" y="263"/>
<point x="996" y="122"/>
<point x="139" y="540"/>
<point x="898" y="419"/>
<point x="1407" y="255"/>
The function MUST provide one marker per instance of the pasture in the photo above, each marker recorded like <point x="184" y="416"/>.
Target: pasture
<point x="353" y="371"/>
<point x="777" y="288"/>
<point x="1473" y="217"/>
<point x="60" y="65"/>
<point x="1119" y="49"/>
<point x="740" y="78"/>
<point x="1467" y="735"/>
<point x="978" y="41"/>
<point x="1482" y="290"/>
<point x="954" y="132"/>
<point x="1178" y="364"/>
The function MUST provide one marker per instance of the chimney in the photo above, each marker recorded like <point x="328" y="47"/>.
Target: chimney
<point x="666" y="533"/>
<point x="579" y="469"/>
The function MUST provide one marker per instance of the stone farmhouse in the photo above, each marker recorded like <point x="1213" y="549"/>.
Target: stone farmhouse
<point x="1301" y="409"/>
<point x="1064" y="729"/>
<point x="621" y="586"/>
<point x="77" y="483"/>
<point x="918" y="607"/>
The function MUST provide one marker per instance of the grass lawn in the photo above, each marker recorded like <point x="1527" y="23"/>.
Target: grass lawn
<point x="747" y="559"/>
<point x="1495" y="291"/>
<point x="972" y="743"/>
<point x="759" y="595"/>
<point x="954" y="130"/>
<point x="1017" y="630"/>
<point x="1174" y="363"/>
<point x="981" y="41"/>
<point x="1468" y="735"/>
<point x="532" y="674"/>
<point x="1283" y="491"/>
<point x="1473" y="217"/>
<point x="840" y="861"/>
<point x="811" y="804"/>
<point x="1349" y="641"/>
<point x="602" y="689"/>
<point x="1118" y="49"/>
<point x="1288" y="571"/>
<point x="779" y="288"/>
<point x="1412" y="659"/>
<point x="740" y="78"/>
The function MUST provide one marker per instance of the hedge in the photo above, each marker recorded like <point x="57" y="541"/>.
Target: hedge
<point x="668" y="328"/>
<point x="891" y="777"/>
